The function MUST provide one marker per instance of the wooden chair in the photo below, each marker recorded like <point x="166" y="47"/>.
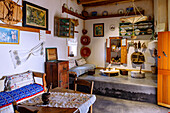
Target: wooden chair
<point x="23" y="109"/>
<point x="84" y="83"/>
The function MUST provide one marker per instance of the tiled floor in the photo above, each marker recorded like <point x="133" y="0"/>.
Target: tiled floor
<point x="113" y="105"/>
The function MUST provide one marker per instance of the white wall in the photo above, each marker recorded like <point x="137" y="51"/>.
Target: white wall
<point x="97" y="44"/>
<point x="30" y="39"/>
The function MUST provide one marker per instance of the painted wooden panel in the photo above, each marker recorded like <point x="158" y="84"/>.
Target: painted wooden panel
<point x="163" y="93"/>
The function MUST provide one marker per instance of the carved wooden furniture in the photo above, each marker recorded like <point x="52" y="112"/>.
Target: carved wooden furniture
<point x="84" y="83"/>
<point x="57" y="73"/>
<point x="163" y="86"/>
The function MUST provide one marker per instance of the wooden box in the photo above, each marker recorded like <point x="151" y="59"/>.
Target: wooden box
<point x="51" y="54"/>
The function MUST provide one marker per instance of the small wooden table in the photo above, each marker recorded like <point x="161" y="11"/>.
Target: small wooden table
<point x="55" y="109"/>
<point x="109" y="73"/>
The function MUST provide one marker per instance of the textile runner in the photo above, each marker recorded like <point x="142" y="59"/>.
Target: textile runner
<point x="65" y="100"/>
<point x="21" y="56"/>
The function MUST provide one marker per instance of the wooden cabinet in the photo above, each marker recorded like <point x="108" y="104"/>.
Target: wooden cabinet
<point x="57" y="73"/>
<point x="163" y="83"/>
<point x="117" y="52"/>
<point x="64" y="27"/>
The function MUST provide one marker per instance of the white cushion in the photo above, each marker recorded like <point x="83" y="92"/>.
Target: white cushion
<point x="1" y="85"/>
<point x="72" y="63"/>
<point x="81" y="61"/>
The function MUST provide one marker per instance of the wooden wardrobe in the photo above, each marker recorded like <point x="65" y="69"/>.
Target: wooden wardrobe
<point x="163" y="83"/>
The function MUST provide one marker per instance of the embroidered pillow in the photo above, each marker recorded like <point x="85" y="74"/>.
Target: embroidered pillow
<point x="1" y="85"/>
<point x="19" y="80"/>
<point x="81" y="61"/>
<point x="72" y="63"/>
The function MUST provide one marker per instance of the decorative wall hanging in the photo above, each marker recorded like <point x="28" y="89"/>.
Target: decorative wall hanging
<point x="10" y="12"/>
<point x="85" y="40"/>
<point x="35" y="16"/>
<point x="84" y="31"/>
<point x="105" y="13"/>
<point x="9" y="36"/>
<point x="21" y="56"/>
<point x="98" y="30"/>
<point x="85" y="52"/>
<point x="112" y="27"/>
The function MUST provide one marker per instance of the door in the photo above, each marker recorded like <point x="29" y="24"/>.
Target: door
<point x="123" y="51"/>
<point x="163" y="83"/>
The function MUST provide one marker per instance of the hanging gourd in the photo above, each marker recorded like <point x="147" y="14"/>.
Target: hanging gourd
<point x="10" y="12"/>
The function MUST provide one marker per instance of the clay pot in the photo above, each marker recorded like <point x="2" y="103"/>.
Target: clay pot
<point x="84" y="31"/>
<point x="45" y="98"/>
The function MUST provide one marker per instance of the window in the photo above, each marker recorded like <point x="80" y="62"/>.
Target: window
<point x="72" y="46"/>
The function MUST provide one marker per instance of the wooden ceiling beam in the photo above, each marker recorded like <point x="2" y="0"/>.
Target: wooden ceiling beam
<point x="107" y="2"/>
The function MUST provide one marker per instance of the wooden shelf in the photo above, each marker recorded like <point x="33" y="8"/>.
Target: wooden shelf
<point x="72" y="13"/>
<point x="23" y="28"/>
<point x="113" y="15"/>
<point x="96" y="17"/>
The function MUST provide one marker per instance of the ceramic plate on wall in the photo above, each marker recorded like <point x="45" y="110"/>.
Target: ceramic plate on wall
<point x="112" y="27"/>
<point x="105" y="13"/>
<point x="120" y="11"/>
<point x="137" y="31"/>
<point x="123" y="32"/>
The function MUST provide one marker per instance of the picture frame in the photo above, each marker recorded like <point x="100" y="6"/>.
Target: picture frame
<point x="51" y="54"/>
<point x="35" y="16"/>
<point x="9" y="35"/>
<point x="98" y="30"/>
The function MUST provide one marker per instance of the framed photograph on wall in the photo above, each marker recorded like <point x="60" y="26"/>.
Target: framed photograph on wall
<point x="9" y="35"/>
<point x="98" y="30"/>
<point x="35" y="16"/>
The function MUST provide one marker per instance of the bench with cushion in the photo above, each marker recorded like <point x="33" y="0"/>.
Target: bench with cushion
<point x="79" y="66"/>
<point x="19" y="87"/>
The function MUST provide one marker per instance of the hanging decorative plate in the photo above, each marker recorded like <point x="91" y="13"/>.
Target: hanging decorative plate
<point x="123" y="32"/>
<point x="149" y="31"/>
<point x="120" y="11"/>
<point x="105" y="13"/>
<point x="85" y="52"/>
<point x="94" y="13"/>
<point x="85" y="13"/>
<point x="112" y="27"/>
<point x="137" y="32"/>
<point x="71" y="9"/>
<point x="85" y="40"/>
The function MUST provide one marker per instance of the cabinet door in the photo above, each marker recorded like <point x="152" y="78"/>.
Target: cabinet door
<point x="108" y="52"/>
<point x="71" y="29"/>
<point x="163" y="85"/>
<point x="63" y="75"/>
<point x="123" y="51"/>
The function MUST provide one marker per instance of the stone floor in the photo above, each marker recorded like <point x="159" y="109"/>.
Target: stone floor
<point x="149" y="80"/>
<point x="113" y="105"/>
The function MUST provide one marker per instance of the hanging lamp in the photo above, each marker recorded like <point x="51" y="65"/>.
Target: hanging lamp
<point x="134" y="19"/>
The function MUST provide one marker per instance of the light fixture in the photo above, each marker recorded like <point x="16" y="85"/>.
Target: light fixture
<point x="134" y="19"/>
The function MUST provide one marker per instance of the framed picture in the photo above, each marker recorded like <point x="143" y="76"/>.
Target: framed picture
<point x="51" y="54"/>
<point x="9" y="35"/>
<point x="98" y="30"/>
<point x="35" y="16"/>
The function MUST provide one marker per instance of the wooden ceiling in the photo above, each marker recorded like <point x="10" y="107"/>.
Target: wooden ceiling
<point x="91" y="3"/>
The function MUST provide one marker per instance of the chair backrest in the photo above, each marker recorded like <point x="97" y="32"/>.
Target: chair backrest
<point x="23" y="109"/>
<point x="84" y="83"/>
